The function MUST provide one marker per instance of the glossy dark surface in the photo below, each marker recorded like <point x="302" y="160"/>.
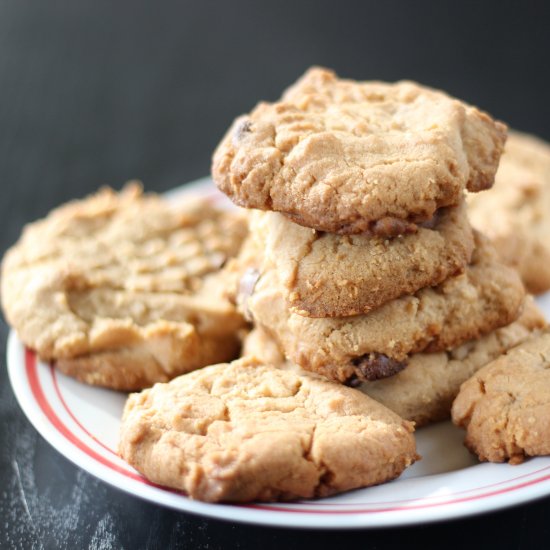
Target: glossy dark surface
<point x="101" y="92"/>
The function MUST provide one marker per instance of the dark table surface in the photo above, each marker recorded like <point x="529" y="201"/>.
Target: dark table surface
<point x="101" y="92"/>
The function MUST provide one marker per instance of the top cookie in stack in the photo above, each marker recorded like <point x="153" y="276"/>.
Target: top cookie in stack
<point x="364" y="254"/>
<point x="348" y="157"/>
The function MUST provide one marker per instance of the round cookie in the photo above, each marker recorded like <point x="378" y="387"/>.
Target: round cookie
<point x="242" y="431"/>
<point x="359" y="273"/>
<point x="124" y="290"/>
<point x="505" y="407"/>
<point x="486" y="296"/>
<point x="349" y="157"/>
<point x="515" y="213"/>
<point x="423" y="392"/>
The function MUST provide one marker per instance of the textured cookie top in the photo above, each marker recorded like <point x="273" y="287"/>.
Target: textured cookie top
<point x="118" y="271"/>
<point x="515" y="213"/>
<point x="505" y="407"/>
<point x="244" y="431"/>
<point x="486" y="296"/>
<point x="328" y="275"/>
<point x="132" y="241"/>
<point x="339" y="156"/>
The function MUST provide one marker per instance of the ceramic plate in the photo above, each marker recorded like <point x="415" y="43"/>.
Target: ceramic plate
<point x="82" y="423"/>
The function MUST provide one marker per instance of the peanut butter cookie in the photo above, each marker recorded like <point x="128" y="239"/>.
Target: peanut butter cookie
<point x="124" y="290"/>
<point x="328" y="275"/>
<point x="515" y="214"/>
<point x="350" y="157"/>
<point x="505" y="407"/>
<point x="243" y="431"/>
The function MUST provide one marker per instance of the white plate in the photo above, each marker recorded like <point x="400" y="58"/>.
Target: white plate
<point x="82" y="423"/>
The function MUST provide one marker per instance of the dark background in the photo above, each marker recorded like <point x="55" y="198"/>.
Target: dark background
<point x="100" y="92"/>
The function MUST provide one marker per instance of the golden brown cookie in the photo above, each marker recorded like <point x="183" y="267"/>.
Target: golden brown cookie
<point x="328" y="275"/>
<point x="486" y="296"/>
<point x="425" y="390"/>
<point x="515" y="214"/>
<point x="348" y="157"/>
<point x="124" y="290"/>
<point x="242" y="431"/>
<point x="505" y="407"/>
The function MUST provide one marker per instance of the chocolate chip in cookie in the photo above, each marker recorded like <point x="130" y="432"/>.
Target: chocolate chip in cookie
<point x="374" y="366"/>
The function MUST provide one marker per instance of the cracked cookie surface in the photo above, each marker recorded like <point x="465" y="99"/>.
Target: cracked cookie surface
<point x="242" y="431"/>
<point x="486" y="296"/>
<point x="123" y="290"/>
<point x="505" y="407"/>
<point x="340" y="156"/>
<point x="328" y="275"/>
<point x="515" y="213"/>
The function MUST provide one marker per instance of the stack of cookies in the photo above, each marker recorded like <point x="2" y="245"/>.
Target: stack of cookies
<point x="361" y="263"/>
<point x="356" y="264"/>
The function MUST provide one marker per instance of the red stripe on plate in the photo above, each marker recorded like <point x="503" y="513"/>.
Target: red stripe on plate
<point x="402" y="508"/>
<point x="71" y="414"/>
<point x="38" y="393"/>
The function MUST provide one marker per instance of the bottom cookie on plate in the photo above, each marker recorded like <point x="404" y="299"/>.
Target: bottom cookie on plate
<point x="505" y="407"/>
<point x="244" y="431"/>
